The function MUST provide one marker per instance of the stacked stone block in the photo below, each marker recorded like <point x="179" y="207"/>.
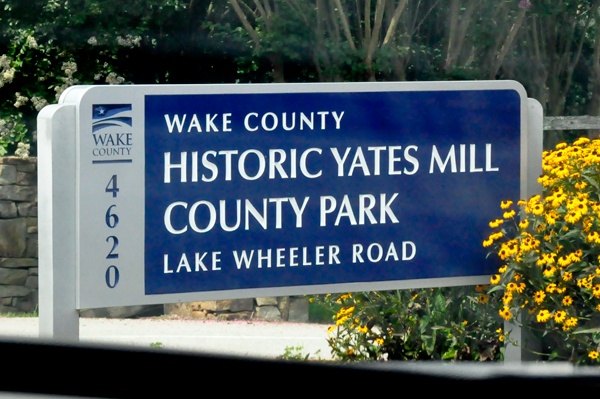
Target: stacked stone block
<point x="293" y="309"/>
<point x="18" y="235"/>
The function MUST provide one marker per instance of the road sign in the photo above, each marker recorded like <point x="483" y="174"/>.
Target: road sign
<point x="200" y="192"/>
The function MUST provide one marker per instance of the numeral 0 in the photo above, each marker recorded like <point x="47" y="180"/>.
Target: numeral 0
<point x="114" y="277"/>
<point x="111" y="219"/>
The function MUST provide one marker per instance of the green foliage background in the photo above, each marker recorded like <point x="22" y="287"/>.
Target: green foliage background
<point x="551" y="47"/>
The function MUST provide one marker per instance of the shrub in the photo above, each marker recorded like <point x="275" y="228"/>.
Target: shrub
<point x="551" y="275"/>
<point x="439" y="323"/>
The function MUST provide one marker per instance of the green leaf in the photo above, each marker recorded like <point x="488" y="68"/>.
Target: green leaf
<point x="591" y="181"/>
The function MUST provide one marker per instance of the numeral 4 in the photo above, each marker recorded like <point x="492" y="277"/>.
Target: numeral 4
<point x="111" y="187"/>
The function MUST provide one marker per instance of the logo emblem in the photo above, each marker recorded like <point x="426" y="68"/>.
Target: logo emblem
<point x="107" y="115"/>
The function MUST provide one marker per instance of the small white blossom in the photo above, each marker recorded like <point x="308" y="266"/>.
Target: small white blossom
<point x="114" y="79"/>
<point x="38" y="102"/>
<point x="31" y="42"/>
<point x="8" y="75"/>
<point x="129" y="41"/>
<point x="22" y="150"/>
<point x="93" y="41"/>
<point x="5" y="61"/>
<point x="70" y="68"/>
<point x="21" y="100"/>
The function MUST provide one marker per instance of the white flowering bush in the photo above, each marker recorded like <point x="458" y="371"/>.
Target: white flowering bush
<point x="34" y="72"/>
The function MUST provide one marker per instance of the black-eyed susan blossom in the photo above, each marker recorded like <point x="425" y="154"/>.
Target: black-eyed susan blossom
<point x="505" y="313"/>
<point x="543" y="316"/>
<point x="560" y="316"/>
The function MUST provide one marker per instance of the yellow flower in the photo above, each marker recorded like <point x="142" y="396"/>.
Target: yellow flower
<point x="539" y="297"/>
<point x="543" y="316"/>
<point x="502" y="269"/>
<point x="567" y="300"/>
<point x="511" y="286"/>
<point x="496" y="223"/>
<point x="499" y="330"/>
<point x="571" y="322"/>
<point x="560" y="316"/>
<point x="564" y="261"/>
<point x="495" y="279"/>
<point x="501" y="338"/>
<point x="593" y="355"/>
<point x="572" y="217"/>
<point x="549" y="272"/>
<point x="567" y="276"/>
<point x="537" y="209"/>
<point x="379" y="341"/>
<point x="508" y="215"/>
<point x="505" y="204"/>
<point x="524" y="224"/>
<point x="505" y="313"/>
<point x="465" y="323"/>
<point x="362" y="329"/>
<point x="483" y="299"/>
<point x="330" y="329"/>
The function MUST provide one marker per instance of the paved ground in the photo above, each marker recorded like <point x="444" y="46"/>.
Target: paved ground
<point x="256" y="338"/>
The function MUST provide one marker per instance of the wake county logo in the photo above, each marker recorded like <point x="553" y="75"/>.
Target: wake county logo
<point x="112" y="130"/>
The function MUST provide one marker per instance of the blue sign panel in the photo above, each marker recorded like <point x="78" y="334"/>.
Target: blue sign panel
<point x="264" y="190"/>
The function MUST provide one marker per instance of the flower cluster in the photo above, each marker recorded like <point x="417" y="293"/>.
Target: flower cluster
<point x="129" y="41"/>
<point x="21" y="100"/>
<point x="22" y="150"/>
<point x="7" y="71"/>
<point x="68" y="80"/>
<point x="551" y="257"/>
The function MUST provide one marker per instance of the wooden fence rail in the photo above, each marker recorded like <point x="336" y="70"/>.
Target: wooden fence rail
<point x="584" y="122"/>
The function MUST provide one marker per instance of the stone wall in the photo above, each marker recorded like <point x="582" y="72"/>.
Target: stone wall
<point x="19" y="263"/>
<point x="18" y="235"/>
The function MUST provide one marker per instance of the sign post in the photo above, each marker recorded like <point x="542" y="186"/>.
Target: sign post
<point x="198" y="192"/>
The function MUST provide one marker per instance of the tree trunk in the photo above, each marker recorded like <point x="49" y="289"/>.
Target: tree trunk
<point x="277" y="64"/>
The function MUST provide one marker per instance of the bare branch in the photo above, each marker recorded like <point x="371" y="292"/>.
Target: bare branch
<point x="345" y="26"/>
<point x="508" y="42"/>
<point x="392" y="28"/>
<point x="261" y="10"/>
<point x="454" y="9"/>
<point x="367" y="23"/>
<point x="248" y="9"/>
<point x="244" y="21"/>
<point x="376" y="29"/>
